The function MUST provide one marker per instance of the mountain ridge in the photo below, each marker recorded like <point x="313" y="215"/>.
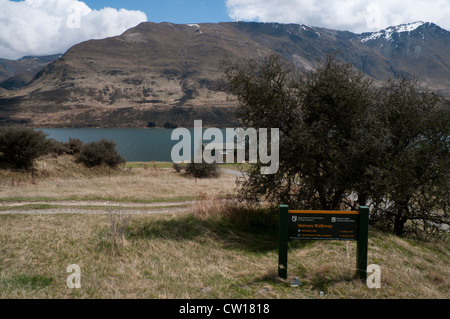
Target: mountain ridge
<point x="18" y="73"/>
<point x="157" y="72"/>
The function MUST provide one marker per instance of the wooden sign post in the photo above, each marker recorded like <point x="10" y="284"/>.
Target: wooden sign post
<point x="324" y="225"/>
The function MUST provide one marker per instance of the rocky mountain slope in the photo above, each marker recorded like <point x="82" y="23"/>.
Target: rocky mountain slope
<point x="169" y="72"/>
<point x="15" y="74"/>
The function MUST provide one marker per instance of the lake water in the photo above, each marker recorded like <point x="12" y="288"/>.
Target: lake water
<point x="135" y="145"/>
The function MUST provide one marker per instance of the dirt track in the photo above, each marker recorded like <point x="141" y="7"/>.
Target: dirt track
<point x="98" y="206"/>
<point x="92" y="207"/>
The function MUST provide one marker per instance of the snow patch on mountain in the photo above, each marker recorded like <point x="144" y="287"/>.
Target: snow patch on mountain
<point x="387" y="33"/>
<point x="195" y="25"/>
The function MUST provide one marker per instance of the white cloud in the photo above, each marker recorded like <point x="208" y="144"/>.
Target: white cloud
<point x="352" y="15"/>
<point x="39" y="27"/>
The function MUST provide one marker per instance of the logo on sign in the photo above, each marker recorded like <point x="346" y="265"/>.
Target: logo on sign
<point x="294" y="219"/>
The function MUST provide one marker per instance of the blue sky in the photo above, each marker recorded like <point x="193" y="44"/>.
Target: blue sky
<point x="175" y="11"/>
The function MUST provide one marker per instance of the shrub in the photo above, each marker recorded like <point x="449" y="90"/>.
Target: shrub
<point x="170" y="125"/>
<point x="202" y="170"/>
<point x="177" y="167"/>
<point x="98" y="153"/>
<point x="57" y="148"/>
<point x="75" y="146"/>
<point x="22" y="146"/>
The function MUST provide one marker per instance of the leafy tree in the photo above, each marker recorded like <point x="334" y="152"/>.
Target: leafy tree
<point x="344" y="142"/>
<point x="336" y="141"/>
<point x="321" y="116"/>
<point x="22" y="146"/>
<point x="413" y="181"/>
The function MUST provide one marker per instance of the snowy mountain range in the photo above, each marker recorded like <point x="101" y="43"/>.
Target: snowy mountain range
<point x="387" y="33"/>
<point x="163" y="71"/>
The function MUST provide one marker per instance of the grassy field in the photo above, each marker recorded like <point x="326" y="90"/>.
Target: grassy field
<point x="62" y="179"/>
<point x="212" y="249"/>
<point x="186" y="256"/>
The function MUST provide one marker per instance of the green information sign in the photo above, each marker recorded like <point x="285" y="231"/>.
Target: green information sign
<point x="331" y="225"/>
<point x="324" y="225"/>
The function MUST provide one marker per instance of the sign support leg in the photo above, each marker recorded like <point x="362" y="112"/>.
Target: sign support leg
<point x="283" y="241"/>
<point x="363" y="241"/>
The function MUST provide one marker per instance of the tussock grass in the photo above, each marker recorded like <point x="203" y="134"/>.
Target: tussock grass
<point x="199" y="255"/>
<point x="217" y="249"/>
<point x="119" y="224"/>
<point x="62" y="178"/>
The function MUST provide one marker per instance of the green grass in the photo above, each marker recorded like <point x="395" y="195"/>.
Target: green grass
<point x="26" y="281"/>
<point x="148" y="165"/>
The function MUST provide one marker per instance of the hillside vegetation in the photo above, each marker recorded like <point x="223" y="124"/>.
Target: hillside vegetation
<point x="159" y="72"/>
<point x="211" y="249"/>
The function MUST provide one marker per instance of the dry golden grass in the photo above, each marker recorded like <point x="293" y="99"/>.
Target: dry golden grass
<point x="62" y="178"/>
<point x="149" y="266"/>
<point x="185" y="256"/>
<point x="216" y="250"/>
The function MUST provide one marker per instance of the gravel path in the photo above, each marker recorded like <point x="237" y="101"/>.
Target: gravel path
<point x="93" y="207"/>
<point x="232" y="172"/>
<point x="98" y="206"/>
<point x="94" y="203"/>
